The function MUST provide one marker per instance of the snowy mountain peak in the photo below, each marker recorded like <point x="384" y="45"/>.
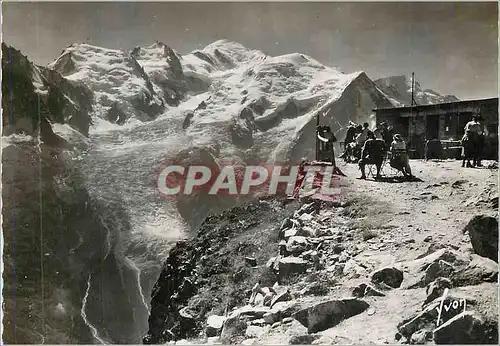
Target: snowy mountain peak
<point x="230" y="54"/>
<point x="398" y="90"/>
<point x="121" y="87"/>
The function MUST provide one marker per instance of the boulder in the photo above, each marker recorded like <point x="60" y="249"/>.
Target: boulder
<point x="214" y="325"/>
<point x="467" y="328"/>
<point x="258" y="322"/>
<point x="483" y="233"/>
<point x="325" y="340"/>
<point x="282" y="248"/>
<point x="344" y="257"/>
<point x="270" y="262"/>
<point x="306" y="218"/>
<point x="364" y="290"/>
<point x="436" y="289"/>
<point x="353" y="269"/>
<point x="306" y="208"/>
<point x="427" y="319"/>
<point x="292" y="232"/>
<point x="213" y="340"/>
<point x="424" y="320"/>
<point x="421" y="337"/>
<point x="297" y="244"/>
<point x="254" y="332"/>
<point x="287" y="223"/>
<point x="373" y="292"/>
<point x="268" y="298"/>
<point x="279" y="311"/>
<point x="271" y="317"/>
<point x="330" y="313"/>
<point x="337" y="249"/>
<point x="307" y="231"/>
<point x="440" y="263"/>
<point x="306" y="339"/>
<point x="186" y="320"/>
<point x="283" y="297"/>
<point x="291" y="265"/>
<point x="234" y="327"/>
<point x="390" y="276"/>
<point x="480" y="269"/>
<point x="437" y="269"/>
<point x="323" y="232"/>
<point x="251" y="312"/>
<point x="317" y="288"/>
<point x="250" y="261"/>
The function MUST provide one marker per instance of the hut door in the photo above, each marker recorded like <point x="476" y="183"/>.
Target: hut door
<point x="432" y="131"/>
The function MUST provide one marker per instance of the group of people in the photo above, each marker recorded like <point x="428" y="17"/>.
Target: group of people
<point x="368" y="147"/>
<point x="372" y="147"/>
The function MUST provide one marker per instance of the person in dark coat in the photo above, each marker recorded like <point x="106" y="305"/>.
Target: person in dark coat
<point x="349" y="138"/>
<point x="373" y="152"/>
<point x="327" y="138"/>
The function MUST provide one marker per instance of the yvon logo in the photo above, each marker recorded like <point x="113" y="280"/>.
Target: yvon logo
<point x="452" y="305"/>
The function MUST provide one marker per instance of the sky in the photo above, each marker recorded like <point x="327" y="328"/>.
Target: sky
<point x="451" y="47"/>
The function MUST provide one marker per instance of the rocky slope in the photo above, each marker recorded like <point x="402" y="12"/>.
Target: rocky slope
<point x="41" y="199"/>
<point x="355" y="271"/>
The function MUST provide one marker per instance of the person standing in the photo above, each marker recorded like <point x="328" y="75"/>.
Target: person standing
<point x="388" y="134"/>
<point x="327" y="138"/>
<point x="349" y="138"/>
<point x="474" y="132"/>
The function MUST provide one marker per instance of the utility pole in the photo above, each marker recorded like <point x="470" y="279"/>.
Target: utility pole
<point x="413" y="102"/>
<point x="316" y="136"/>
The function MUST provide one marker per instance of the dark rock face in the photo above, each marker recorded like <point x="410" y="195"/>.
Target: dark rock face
<point x="437" y="269"/>
<point x="187" y="120"/>
<point x="328" y="314"/>
<point x="480" y="269"/>
<point x="116" y="115"/>
<point x="467" y="328"/>
<point x="209" y="274"/>
<point x="436" y="288"/>
<point x="72" y="101"/>
<point x="392" y="277"/>
<point x="57" y="248"/>
<point x="25" y="110"/>
<point x="234" y="327"/>
<point x="483" y="233"/>
<point x="365" y="290"/>
<point x="291" y="265"/>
